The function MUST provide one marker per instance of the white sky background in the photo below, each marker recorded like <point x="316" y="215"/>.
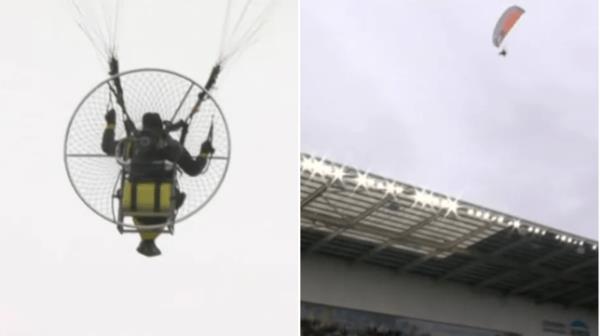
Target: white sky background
<point x="64" y="271"/>
<point x="414" y="90"/>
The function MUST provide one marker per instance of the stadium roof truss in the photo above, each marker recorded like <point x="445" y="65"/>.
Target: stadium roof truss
<point x="366" y="218"/>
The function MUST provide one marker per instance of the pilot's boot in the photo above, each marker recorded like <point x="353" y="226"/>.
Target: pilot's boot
<point x="148" y="248"/>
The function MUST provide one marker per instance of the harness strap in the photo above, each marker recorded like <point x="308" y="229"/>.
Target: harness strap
<point x="134" y="191"/>
<point x="157" y="196"/>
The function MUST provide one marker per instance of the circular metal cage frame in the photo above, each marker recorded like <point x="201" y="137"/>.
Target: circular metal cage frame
<point x="200" y="189"/>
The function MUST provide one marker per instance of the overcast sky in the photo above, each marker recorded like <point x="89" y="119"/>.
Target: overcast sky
<point x="414" y="90"/>
<point x="63" y="270"/>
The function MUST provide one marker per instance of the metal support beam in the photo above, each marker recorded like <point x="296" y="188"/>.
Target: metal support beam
<point x="396" y="239"/>
<point x="476" y="262"/>
<point x="333" y="223"/>
<point x="542" y="271"/>
<point x="553" y="277"/>
<point x="340" y="225"/>
<point x="510" y="272"/>
<point x="321" y="217"/>
<point x="520" y="267"/>
<point x="318" y="192"/>
<point x="451" y="247"/>
<point x="567" y="290"/>
<point x="351" y="224"/>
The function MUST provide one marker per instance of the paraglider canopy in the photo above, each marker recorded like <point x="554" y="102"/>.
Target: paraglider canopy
<point x="505" y="24"/>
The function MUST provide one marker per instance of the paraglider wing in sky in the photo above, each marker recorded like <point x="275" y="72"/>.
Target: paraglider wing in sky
<point x="505" y="24"/>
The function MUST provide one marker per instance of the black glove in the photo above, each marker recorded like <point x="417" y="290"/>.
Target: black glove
<point x="111" y="117"/>
<point x="207" y="148"/>
<point x="171" y="127"/>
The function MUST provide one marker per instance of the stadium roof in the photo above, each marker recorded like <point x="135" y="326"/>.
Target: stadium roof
<point x="367" y="218"/>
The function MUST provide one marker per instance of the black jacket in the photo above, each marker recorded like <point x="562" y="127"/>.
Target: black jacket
<point x="150" y="146"/>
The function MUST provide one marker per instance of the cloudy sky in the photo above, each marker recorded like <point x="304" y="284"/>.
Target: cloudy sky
<point x="414" y="90"/>
<point x="65" y="271"/>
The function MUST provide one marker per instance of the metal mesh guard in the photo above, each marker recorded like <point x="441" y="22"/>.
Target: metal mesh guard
<point x="96" y="176"/>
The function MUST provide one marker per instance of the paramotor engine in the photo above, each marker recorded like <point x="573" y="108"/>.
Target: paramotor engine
<point x="192" y="117"/>
<point x="98" y="178"/>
